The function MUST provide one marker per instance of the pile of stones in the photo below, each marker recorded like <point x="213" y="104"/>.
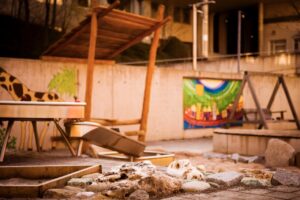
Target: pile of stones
<point x="143" y="180"/>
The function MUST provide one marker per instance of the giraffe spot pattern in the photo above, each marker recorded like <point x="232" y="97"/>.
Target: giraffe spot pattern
<point x="12" y="78"/>
<point x="26" y="97"/>
<point x="39" y="95"/>
<point x="18" y="89"/>
<point x="2" y="79"/>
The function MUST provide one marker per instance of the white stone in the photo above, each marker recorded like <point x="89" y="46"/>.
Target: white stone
<point x="85" y="194"/>
<point x="195" y="186"/>
<point x="185" y="170"/>
<point x="286" y="177"/>
<point x="279" y="153"/>
<point x="80" y="181"/>
<point x="226" y="178"/>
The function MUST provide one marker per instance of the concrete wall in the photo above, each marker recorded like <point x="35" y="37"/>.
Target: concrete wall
<point x="118" y="92"/>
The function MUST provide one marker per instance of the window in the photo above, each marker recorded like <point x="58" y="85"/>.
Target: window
<point x="154" y="8"/>
<point x="187" y="15"/>
<point x="177" y="14"/>
<point x="84" y="3"/>
<point x="278" y="46"/>
<point x="297" y="44"/>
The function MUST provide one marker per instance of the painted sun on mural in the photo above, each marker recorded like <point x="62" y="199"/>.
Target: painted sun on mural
<point x="208" y="102"/>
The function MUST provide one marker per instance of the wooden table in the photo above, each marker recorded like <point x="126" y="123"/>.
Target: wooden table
<point x="12" y="111"/>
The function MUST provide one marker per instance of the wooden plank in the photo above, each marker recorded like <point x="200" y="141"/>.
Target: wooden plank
<point x="85" y="49"/>
<point x="126" y="15"/>
<point x="286" y="91"/>
<point x="76" y="60"/>
<point x="149" y="75"/>
<point x="260" y="133"/>
<point x="134" y="133"/>
<point x="119" y="22"/>
<point x="133" y="32"/>
<point x="90" y="67"/>
<point x="257" y="104"/>
<point x="115" y="122"/>
<point x="139" y="37"/>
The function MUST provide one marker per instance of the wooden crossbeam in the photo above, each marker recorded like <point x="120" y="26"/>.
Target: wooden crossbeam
<point x="139" y="37"/>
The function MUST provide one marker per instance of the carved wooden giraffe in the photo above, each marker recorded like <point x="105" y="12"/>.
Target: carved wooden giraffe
<point x="20" y="92"/>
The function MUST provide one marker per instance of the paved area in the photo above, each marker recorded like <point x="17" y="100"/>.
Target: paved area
<point x="240" y="193"/>
<point x="189" y="145"/>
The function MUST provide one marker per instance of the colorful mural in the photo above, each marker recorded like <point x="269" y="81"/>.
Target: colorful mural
<point x="208" y="102"/>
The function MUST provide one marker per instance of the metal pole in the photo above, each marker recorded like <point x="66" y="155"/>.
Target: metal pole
<point x="239" y="39"/>
<point x="194" y="37"/>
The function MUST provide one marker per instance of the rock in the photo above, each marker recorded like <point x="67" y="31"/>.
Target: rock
<point x="246" y="159"/>
<point x="100" y="196"/>
<point x="195" y="186"/>
<point x="279" y="153"/>
<point x="93" y="176"/>
<point x="98" y="187"/>
<point x="132" y="171"/>
<point x="226" y="178"/>
<point x="254" y="182"/>
<point x="160" y="184"/>
<point x="211" y="155"/>
<point x="80" y="182"/>
<point x="76" y="189"/>
<point x="139" y="195"/>
<point x="193" y="174"/>
<point x="214" y="185"/>
<point x="285" y="177"/>
<point x="184" y="169"/>
<point x="59" y="193"/>
<point x="121" y="189"/>
<point x="85" y="194"/>
<point x="178" y="167"/>
<point x="109" y="178"/>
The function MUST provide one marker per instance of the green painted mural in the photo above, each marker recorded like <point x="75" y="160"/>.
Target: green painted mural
<point x="65" y="82"/>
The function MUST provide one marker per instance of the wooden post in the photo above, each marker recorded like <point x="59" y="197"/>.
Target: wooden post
<point x="5" y="141"/>
<point x="286" y="91"/>
<point x="36" y="136"/>
<point x="273" y="94"/>
<point x="258" y="107"/>
<point x="90" y="67"/>
<point x="149" y="75"/>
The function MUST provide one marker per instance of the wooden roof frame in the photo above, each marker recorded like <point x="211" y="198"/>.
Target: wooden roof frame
<point x="92" y="22"/>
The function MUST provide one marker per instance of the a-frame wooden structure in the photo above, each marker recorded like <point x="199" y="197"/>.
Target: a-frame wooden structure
<point x="103" y="35"/>
<point x="262" y="122"/>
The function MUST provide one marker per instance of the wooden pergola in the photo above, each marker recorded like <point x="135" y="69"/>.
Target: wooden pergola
<point x="104" y="34"/>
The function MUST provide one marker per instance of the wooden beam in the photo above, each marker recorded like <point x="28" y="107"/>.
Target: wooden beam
<point x="90" y="67"/>
<point x="75" y="60"/>
<point x="5" y="140"/>
<point x="273" y="94"/>
<point x="286" y="91"/>
<point x="257" y="104"/>
<point x="139" y="37"/>
<point x="149" y="75"/>
<point x="134" y="133"/>
<point x="116" y="122"/>
<point x="237" y="98"/>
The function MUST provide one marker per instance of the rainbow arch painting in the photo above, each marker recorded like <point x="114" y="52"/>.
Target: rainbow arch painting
<point x="207" y="103"/>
